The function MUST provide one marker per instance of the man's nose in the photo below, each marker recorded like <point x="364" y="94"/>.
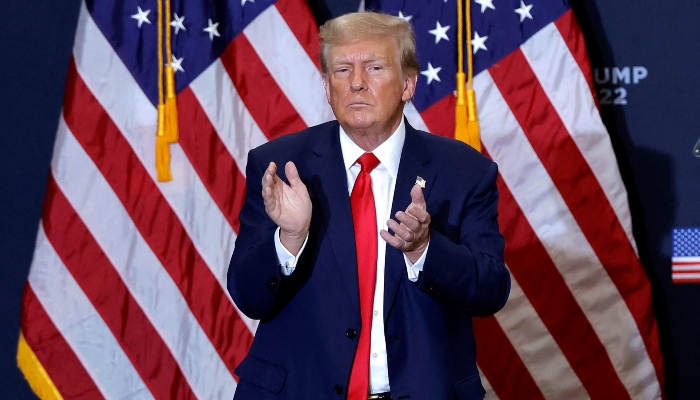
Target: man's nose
<point x="358" y="81"/>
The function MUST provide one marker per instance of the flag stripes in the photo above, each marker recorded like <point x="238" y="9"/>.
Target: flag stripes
<point x="106" y="291"/>
<point x="279" y="49"/>
<point x="81" y="326"/>
<point x="521" y="327"/>
<point x="524" y="254"/>
<point x="162" y="249"/>
<point x="139" y="268"/>
<point x="273" y="112"/>
<point x="69" y="376"/>
<point x="537" y="157"/>
<point x="153" y="218"/>
<point x="209" y="157"/>
<point x="577" y="113"/>
<point x="500" y="363"/>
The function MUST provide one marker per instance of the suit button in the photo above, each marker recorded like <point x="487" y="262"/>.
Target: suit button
<point x="273" y="283"/>
<point x="338" y="389"/>
<point x="351" y="333"/>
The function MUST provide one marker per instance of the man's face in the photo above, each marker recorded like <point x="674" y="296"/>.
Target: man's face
<point x="366" y="87"/>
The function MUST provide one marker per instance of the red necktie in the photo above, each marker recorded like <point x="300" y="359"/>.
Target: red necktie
<point x="364" y="218"/>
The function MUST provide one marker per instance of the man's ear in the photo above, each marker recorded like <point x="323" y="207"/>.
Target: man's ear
<point x="409" y="86"/>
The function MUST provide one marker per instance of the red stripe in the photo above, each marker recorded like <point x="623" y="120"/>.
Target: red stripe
<point x="210" y="158"/>
<point x="155" y="220"/>
<point x="440" y="117"/>
<point x="685" y="280"/>
<point x="54" y="353"/>
<point x="263" y="98"/>
<point x="301" y="22"/>
<point x="572" y="176"/>
<point x="573" y="37"/>
<point x="687" y="263"/>
<point x="105" y="289"/>
<point x="533" y="268"/>
<point x="501" y="364"/>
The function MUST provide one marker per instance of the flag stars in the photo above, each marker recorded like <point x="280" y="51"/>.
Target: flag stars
<point x="485" y="4"/>
<point x="524" y="11"/>
<point x="141" y="16"/>
<point x="177" y="64"/>
<point x="405" y="17"/>
<point x="431" y="73"/>
<point x="212" y="30"/>
<point x="177" y="23"/>
<point x="478" y="43"/>
<point x="440" y="32"/>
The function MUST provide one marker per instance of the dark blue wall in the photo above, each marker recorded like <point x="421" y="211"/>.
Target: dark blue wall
<point x="653" y="134"/>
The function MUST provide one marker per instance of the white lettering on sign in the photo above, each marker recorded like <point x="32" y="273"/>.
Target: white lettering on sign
<point x="610" y="81"/>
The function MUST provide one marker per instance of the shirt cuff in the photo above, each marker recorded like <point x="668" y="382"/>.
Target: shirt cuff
<point x="288" y="262"/>
<point x="414" y="269"/>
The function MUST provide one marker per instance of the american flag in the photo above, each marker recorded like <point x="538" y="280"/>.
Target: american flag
<point x="686" y="255"/>
<point x="126" y="294"/>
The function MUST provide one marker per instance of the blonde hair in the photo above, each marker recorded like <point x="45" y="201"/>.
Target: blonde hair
<point x="359" y="26"/>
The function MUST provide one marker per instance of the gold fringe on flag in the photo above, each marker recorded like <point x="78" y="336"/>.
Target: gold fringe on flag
<point x="34" y="372"/>
<point x="466" y="118"/>
<point x="171" y="124"/>
<point x="168" y="129"/>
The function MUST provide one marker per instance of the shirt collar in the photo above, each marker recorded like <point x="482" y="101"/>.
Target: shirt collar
<point x="388" y="153"/>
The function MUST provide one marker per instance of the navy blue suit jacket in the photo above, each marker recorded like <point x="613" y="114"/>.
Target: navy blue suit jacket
<point x="310" y="320"/>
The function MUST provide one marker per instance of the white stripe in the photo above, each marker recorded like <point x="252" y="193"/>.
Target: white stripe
<point x="114" y="87"/>
<point x="414" y="118"/>
<point x="533" y="343"/>
<point x="687" y="268"/>
<point x="685" y="275"/>
<point x="490" y="394"/>
<point x="558" y="232"/>
<point x="686" y="259"/>
<point x="568" y="91"/>
<point x="227" y="113"/>
<point x="81" y="326"/>
<point x="109" y="223"/>
<point x="279" y="49"/>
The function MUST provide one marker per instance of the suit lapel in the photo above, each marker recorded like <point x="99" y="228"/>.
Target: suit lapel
<point x="415" y="161"/>
<point x="332" y="193"/>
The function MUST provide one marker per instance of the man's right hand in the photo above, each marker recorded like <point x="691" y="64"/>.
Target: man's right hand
<point x="289" y="206"/>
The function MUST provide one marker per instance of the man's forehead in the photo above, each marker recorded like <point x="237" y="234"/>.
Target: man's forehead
<point x="365" y="50"/>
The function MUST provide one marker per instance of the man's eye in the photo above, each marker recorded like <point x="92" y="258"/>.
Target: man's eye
<point x="375" y="68"/>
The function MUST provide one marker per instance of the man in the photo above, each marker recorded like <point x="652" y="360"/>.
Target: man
<point x="341" y="312"/>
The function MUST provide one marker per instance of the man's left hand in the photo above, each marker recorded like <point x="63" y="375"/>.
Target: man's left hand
<point x="411" y="233"/>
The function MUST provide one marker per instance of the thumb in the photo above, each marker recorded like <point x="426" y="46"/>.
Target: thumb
<point x="290" y="170"/>
<point x="417" y="196"/>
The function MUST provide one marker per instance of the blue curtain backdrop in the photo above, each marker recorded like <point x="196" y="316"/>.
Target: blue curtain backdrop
<point x="644" y="54"/>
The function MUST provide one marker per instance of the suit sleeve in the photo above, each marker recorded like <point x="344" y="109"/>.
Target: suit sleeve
<point x="255" y="280"/>
<point x="471" y="274"/>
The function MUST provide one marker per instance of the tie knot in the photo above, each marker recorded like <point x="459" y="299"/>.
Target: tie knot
<point x="368" y="162"/>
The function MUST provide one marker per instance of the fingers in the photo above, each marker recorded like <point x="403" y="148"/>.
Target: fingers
<point x="268" y="181"/>
<point x="392" y="240"/>
<point x="411" y="226"/>
<point x="290" y="170"/>
<point x="417" y="196"/>
<point x="401" y="231"/>
<point x="269" y="175"/>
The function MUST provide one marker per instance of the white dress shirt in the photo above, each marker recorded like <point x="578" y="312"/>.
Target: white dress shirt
<point x="383" y="184"/>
